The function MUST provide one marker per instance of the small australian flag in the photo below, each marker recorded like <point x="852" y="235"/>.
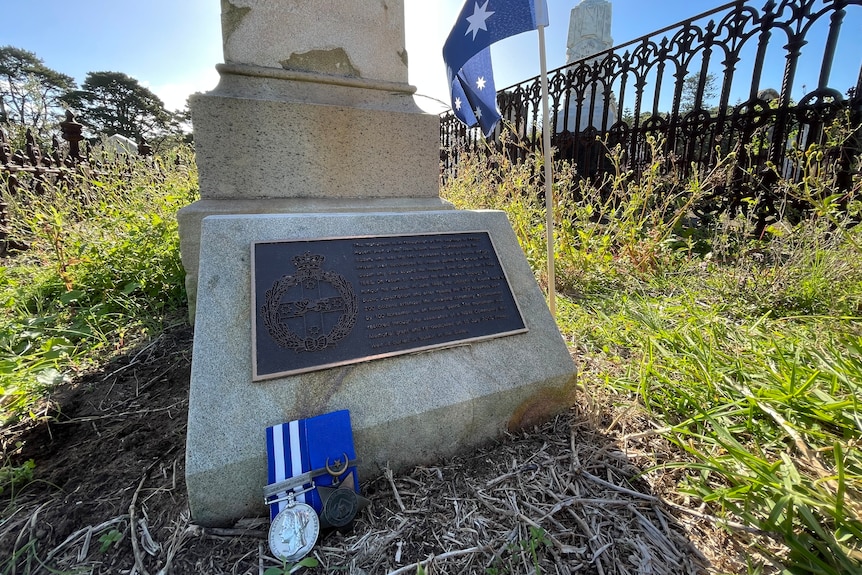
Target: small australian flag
<point x="467" y="54"/>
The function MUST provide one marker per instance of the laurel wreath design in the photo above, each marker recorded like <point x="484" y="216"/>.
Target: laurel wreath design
<point x="286" y="338"/>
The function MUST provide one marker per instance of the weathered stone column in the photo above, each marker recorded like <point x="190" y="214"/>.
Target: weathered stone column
<point x="312" y="113"/>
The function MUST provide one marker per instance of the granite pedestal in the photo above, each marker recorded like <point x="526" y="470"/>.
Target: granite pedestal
<point x="406" y="410"/>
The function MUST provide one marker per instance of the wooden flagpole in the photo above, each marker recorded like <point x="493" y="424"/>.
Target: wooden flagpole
<point x="549" y="177"/>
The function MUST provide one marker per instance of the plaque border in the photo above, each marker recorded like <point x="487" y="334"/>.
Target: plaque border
<point x="256" y="377"/>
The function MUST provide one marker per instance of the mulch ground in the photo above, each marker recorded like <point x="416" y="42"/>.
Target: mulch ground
<point x="108" y="495"/>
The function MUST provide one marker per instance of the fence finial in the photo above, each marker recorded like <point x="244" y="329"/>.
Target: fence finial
<point x="33" y="151"/>
<point x="72" y="133"/>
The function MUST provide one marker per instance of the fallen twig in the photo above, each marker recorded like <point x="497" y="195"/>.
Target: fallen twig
<point x="139" y="562"/>
<point x="619" y="488"/>
<point x="388" y="473"/>
<point x="223" y="532"/>
<point x="29" y="526"/>
<point x="181" y="531"/>
<point x="74" y="536"/>
<point x="449" y="555"/>
<point x="121" y="415"/>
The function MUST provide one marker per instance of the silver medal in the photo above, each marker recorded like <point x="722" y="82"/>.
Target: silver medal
<point x="293" y="532"/>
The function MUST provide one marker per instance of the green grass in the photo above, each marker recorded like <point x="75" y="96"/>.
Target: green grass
<point x="765" y="411"/>
<point x="100" y="271"/>
<point x="745" y="351"/>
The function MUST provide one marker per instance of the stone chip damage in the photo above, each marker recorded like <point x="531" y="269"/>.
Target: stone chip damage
<point x="333" y="61"/>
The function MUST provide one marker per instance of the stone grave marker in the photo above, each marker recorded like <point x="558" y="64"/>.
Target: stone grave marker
<point x="329" y="275"/>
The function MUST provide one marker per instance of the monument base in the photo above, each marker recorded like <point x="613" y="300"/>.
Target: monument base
<point x="270" y="140"/>
<point x="406" y="410"/>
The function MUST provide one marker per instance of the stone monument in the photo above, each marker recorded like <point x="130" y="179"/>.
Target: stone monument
<point x="589" y="34"/>
<point x="327" y="273"/>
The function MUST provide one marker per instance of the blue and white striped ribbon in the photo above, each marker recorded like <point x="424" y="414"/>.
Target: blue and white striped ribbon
<point x="285" y="458"/>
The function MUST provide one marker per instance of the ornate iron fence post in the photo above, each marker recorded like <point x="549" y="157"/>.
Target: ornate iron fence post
<point x="72" y="132"/>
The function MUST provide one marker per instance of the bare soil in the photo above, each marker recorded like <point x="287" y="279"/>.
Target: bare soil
<point x="108" y="494"/>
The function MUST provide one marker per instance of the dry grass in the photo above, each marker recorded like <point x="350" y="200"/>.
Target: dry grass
<point x="570" y="496"/>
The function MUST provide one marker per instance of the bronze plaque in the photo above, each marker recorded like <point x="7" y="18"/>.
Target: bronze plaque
<point x="328" y="302"/>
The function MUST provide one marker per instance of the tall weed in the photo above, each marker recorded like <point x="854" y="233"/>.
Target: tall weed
<point x="609" y="234"/>
<point x="495" y="183"/>
<point x="98" y="270"/>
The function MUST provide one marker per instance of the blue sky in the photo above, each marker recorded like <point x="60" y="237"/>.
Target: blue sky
<point x="172" y="46"/>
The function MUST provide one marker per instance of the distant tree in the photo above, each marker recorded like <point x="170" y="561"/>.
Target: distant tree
<point x="115" y="103"/>
<point x="688" y="99"/>
<point x="181" y="123"/>
<point x="30" y="92"/>
<point x="628" y="117"/>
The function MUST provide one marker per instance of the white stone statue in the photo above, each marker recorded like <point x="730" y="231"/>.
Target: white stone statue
<point x="589" y="33"/>
<point x="589" y="29"/>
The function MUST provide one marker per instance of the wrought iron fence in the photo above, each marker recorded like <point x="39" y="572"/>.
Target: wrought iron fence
<point x="32" y="169"/>
<point x="72" y="153"/>
<point x="732" y="79"/>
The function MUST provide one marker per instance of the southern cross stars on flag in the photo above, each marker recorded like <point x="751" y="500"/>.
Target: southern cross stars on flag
<point x="467" y="54"/>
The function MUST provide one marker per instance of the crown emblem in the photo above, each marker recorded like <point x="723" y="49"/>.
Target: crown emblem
<point x="308" y="261"/>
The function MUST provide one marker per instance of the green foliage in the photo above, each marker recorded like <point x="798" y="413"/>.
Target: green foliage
<point x="287" y="568"/>
<point x="102" y="270"/>
<point x="35" y="96"/>
<point x="530" y="546"/>
<point x="538" y="539"/>
<point x="13" y="476"/>
<point x="115" y="103"/>
<point x="607" y="236"/>
<point x="740" y="396"/>
<point x="745" y="349"/>
<point x="499" y="184"/>
<point x="29" y="91"/>
<point x="108" y="539"/>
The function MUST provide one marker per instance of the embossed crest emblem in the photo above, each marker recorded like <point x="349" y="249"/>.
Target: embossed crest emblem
<point x="310" y="310"/>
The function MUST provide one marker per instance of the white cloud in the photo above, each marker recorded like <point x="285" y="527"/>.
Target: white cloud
<point x="174" y="95"/>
